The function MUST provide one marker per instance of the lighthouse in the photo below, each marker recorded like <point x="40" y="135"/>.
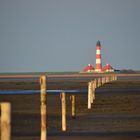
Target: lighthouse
<point x="98" y="57"/>
<point x="98" y="67"/>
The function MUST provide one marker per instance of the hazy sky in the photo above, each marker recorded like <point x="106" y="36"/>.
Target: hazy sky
<point x="60" y="35"/>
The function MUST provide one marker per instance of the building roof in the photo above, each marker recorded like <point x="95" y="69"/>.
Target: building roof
<point x="107" y="67"/>
<point x="88" y="68"/>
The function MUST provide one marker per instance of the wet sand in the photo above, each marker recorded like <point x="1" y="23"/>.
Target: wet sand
<point x="115" y="113"/>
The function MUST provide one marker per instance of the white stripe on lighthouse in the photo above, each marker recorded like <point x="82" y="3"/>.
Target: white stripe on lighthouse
<point x="98" y="61"/>
<point x="98" y="52"/>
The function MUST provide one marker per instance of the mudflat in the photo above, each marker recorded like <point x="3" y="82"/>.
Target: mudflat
<point x="115" y="113"/>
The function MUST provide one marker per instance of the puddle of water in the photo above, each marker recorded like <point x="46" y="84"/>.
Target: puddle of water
<point x="9" y="92"/>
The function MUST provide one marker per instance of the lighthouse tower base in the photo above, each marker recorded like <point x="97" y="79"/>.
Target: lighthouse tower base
<point x="98" y="70"/>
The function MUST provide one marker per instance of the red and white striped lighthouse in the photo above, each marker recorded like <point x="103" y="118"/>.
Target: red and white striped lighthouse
<point x="98" y="57"/>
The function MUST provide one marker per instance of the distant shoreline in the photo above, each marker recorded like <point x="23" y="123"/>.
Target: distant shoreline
<point x="29" y="75"/>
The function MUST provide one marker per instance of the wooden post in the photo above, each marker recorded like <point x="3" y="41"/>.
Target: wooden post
<point x="104" y="80"/>
<point x="73" y="106"/>
<point x="93" y="91"/>
<point x="5" y="121"/>
<point x="43" y="108"/>
<point x="95" y="83"/>
<point x="114" y="77"/>
<point x="94" y="88"/>
<point x="107" y="79"/>
<point x="63" y="104"/>
<point x="89" y="94"/>
<point x="0" y="121"/>
<point x="99" y="82"/>
<point x="110" y="78"/>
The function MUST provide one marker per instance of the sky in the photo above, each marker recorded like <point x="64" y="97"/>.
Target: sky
<point x="61" y="35"/>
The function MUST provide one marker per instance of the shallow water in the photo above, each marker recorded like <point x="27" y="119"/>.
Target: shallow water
<point x="38" y="91"/>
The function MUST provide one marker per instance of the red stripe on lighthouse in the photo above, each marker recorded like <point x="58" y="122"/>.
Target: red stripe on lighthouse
<point x="98" y="56"/>
<point x="98" y="66"/>
<point x="98" y="47"/>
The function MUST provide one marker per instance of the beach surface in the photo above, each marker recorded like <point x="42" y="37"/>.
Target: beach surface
<point x="115" y="113"/>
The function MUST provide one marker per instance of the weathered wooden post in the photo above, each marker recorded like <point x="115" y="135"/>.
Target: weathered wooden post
<point x="103" y="80"/>
<point x="89" y="94"/>
<point x="107" y="79"/>
<point x="113" y="78"/>
<point x="73" y="106"/>
<point x="116" y="77"/>
<point x="99" y="82"/>
<point x="0" y="121"/>
<point x="94" y="90"/>
<point x="95" y="83"/>
<point x="43" y="108"/>
<point x="5" y="122"/>
<point x="63" y="104"/>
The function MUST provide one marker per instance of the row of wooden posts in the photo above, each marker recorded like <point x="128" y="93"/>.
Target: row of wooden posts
<point x="93" y="84"/>
<point x="5" y="108"/>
